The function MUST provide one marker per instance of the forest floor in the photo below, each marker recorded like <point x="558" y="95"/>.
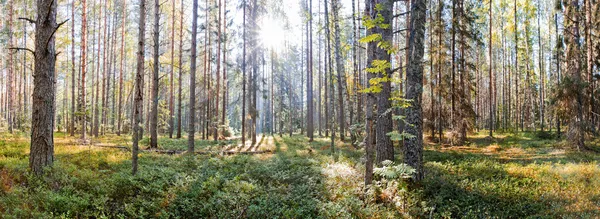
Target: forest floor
<point x="513" y="175"/>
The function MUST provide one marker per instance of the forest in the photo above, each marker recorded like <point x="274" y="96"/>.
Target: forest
<point x="299" y="108"/>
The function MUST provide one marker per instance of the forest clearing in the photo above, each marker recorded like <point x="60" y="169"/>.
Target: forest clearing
<point x="299" y="109"/>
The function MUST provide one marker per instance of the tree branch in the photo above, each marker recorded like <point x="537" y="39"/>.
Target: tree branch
<point x="401" y="14"/>
<point x="49" y="11"/>
<point x="24" y="49"/>
<point x="27" y="19"/>
<point x="398" y="31"/>
<point x="53" y="32"/>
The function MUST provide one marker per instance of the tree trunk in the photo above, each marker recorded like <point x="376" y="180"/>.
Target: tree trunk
<point x="413" y="152"/>
<point x="384" y="145"/>
<point x="171" y="73"/>
<point x="573" y="64"/>
<point x="215" y="123"/>
<point x="72" y="125"/>
<point x="156" y="65"/>
<point x="491" y="102"/>
<point x="309" y="78"/>
<point x="83" y="67"/>
<point x="192" y="122"/>
<point x="370" y="102"/>
<point x="244" y="77"/>
<point x="180" y="82"/>
<point x="225" y="82"/>
<point x="340" y="66"/>
<point x="10" y="78"/>
<point x="139" y="86"/>
<point x="44" y="90"/>
<point x="121" y="71"/>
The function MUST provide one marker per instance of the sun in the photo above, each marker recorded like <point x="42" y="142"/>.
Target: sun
<point x="272" y="34"/>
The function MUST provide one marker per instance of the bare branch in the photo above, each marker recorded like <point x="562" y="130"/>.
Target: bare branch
<point x="398" y="31"/>
<point x="27" y="19"/>
<point x="53" y="32"/>
<point x="23" y="49"/>
<point x="401" y="14"/>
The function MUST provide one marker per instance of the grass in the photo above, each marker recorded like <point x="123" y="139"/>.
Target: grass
<point x="516" y="175"/>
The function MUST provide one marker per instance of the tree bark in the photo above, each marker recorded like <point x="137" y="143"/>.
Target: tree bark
<point x="72" y="125"/>
<point x="244" y="77"/>
<point x="171" y="73"/>
<point x="384" y="146"/>
<point x="156" y="65"/>
<point x="491" y="102"/>
<point x="121" y="71"/>
<point x="192" y="119"/>
<point x="340" y="67"/>
<point x="139" y="86"/>
<point x="44" y="90"/>
<point x="180" y="82"/>
<point x="83" y="67"/>
<point x="309" y="78"/>
<point x="370" y="99"/>
<point x="413" y="152"/>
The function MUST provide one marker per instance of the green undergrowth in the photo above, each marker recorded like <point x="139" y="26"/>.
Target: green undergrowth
<point x="511" y="176"/>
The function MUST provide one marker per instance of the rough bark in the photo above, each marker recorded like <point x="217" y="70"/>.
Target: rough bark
<point x="44" y="90"/>
<point x="192" y="119"/>
<point x="83" y="67"/>
<point x="413" y="147"/>
<point x="244" y="77"/>
<point x="171" y="73"/>
<point x="340" y="67"/>
<point x="180" y="82"/>
<point x="384" y="146"/>
<point x="121" y="71"/>
<point x="370" y="101"/>
<point x="309" y="78"/>
<point x="573" y="65"/>
<point x="156" y="65"/>
<point x="72" y="125"/>
<point x="139" y="86"/>
<point x="490" y="100"/>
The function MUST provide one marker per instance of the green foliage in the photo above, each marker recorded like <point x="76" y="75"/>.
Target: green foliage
<point x="301" y="180"/>
<point x="391" y="172"/>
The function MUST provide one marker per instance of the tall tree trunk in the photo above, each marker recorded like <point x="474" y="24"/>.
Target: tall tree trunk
<point x="225" y="82"/>
<point x="10" y="78"/>
<point x="309" y="75"/>
<point x="105" y="39"/>
<point x="121" y="71"/>
<point x="453" y="119"/>
<point x="215" y="123"/>
<point x="95" y="71"/>
<point x="83" y="67"/>
<point x="384" y="145"/>
<point x="192" y="119"/>
<point x="340" y="66"/>
<point x="413" y="152"/>
<point x="327" y="67"/>
<point x="558" y="61"/>
<point x="44" y="90"/>
<point x="180" y="82"/>
<point x="589" y="60"/>
<point x="171" y="73"/>
<point x="244" y="77"/>
<point x="139" y="86"/>
<point x="573" y="64"/>
<point x="72" y="125"/>
<point x="370" y="131"/>
<point x="491" y="102"/>
<point x="156" y="65"/>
